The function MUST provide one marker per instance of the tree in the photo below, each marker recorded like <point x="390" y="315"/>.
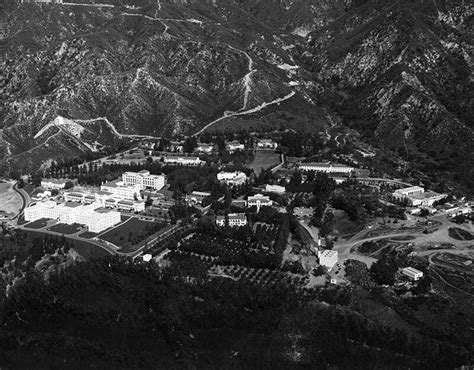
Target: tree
<point x="190" y="144"/>
<point x="383" y="271"/>
<point x="424" y="212"/>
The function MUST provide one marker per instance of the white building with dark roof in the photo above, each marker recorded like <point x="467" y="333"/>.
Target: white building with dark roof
<point x="235" y="220"/>
<point x="277" y="189"/>
<point x="130" y="206"/>
<point x="326" y="167"/>
<point x="233" y="146"/>
<point x="412" y="273"/>
<point x="184" y="161"/>
<point x="205" y="148"/>
<point x="258" y="201"/>
<point x="53" y="183"/>
<point x="232" y="178"/>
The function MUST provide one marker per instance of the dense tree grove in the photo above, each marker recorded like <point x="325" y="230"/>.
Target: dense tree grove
<point x="120" y="313"/>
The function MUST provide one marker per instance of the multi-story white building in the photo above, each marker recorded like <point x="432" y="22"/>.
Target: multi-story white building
<point x="259" y="200"/>
<point x="327" y="258"/>
<point x="73" y="196"/>
<point x="53" y="183"/>
<point x="144" y="179"/>
<point x="120" y="190"/>
<point x="405" y="192"/>
<point x="417" y="196"/>
<point x="235" y="219"/>
<point x="130" y="206"/>
<point x="184" y="161"/>
<point x="40" y="210"/>
<point x="275" y="189"/>
<point x="232" y="178"/>
<point x="325" y="167"/>
<point x="93" y="216"/>
<point x="233" y="146"/>
<point x="412" y="273"/>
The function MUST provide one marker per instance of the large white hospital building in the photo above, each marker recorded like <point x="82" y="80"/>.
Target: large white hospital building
<point x="92" y="215"/>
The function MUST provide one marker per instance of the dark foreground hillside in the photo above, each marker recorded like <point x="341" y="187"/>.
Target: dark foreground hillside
<point x="116" y="313"/>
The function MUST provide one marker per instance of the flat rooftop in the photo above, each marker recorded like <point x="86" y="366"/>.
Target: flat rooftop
<point x="425" y="195"/>
<point x="72" y="204"/>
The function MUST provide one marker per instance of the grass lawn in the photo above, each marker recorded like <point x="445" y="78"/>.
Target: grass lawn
<point x="264" y="159"/>
<point x="38" y="224"/>
<point x="84" y="248"/>
<point x="88" y="235"/>
<point x="10" y="200"/>
<point x="88" y="250"/>
<point x="130" y="235"/>
<point x="65" y="228"/>
<point x="344" y="226"/>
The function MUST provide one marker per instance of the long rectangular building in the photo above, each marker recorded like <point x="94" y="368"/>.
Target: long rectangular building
<point x="325" y="167"/>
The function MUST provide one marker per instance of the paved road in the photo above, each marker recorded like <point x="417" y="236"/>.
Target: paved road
<point x="380" y="179"/>
<point x="282" y="162"/>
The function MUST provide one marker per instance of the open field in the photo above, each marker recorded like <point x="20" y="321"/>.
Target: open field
<point x="264" y="159"/>
<point x="66" y="229"/>
<point x="130" y="235"/>
<point x="10" y="200"/>
<point x="38" y="224"/>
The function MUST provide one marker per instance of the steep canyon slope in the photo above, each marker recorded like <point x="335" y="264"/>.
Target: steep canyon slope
<point x="398" y="72"/>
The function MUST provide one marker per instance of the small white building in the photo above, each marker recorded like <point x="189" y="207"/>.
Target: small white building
<point x="53" y="183"/>
<point x="196" y="197"/>
<point x="259" y="200"/>
<point x="235" y="219"/>
<point x="184" y="161"/>
<point x="205" y="148"/>
<point x="327" y="258"/>
<point x="234" y="146"/>
<point x="147" y="257"/>
<point x="412" y="273"/>
<point x="266" y="144"/>
<point x="277" y="189"/>
<point x="232" y="178"/>
<point x="144" y="179"/>
<point x="325" y="167"/>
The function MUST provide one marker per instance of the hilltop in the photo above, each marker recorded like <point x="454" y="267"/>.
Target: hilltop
<point x="395" y="73"/>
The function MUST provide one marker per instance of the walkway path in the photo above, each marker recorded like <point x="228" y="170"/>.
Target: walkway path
<point x="258" y="108"/>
